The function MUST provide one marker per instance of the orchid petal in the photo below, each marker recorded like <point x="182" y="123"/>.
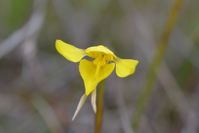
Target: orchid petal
<point x="69" y="51"/>
<point x="125" y="67"/>
<point x="92" y="74"/>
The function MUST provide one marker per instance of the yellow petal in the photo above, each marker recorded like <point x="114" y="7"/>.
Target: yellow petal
<point x="91" y="77"/>
<point x="125" y="67"/>
<point x="96" y="50"/>
<point x="69" y="51"/>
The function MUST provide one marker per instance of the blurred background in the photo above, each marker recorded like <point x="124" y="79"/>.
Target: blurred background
<point x="39" y="89"/>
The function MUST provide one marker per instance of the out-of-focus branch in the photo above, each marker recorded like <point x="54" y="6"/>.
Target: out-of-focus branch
<point x="27" y="38"/>
<point x="156" y="62"/>
<point x="47" y="113"/>
<point x="29" y="44"/>
<point x="182" y="104"/>
<point x="31" y="28"/>
<point x="177" y="97"/>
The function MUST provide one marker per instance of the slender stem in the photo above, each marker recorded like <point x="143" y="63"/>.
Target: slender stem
<point x="100" y="108"/>
<point x="156" y="62"/>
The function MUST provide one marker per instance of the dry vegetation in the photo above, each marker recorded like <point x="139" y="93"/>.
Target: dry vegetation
<point x="39" y="89"/>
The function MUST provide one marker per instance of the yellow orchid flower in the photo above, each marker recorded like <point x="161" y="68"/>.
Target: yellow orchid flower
<point x="93" y="71"/>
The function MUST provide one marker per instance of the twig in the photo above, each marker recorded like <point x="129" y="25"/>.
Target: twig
<point x="47" y="113"/>
<point x="29" y="45"/>
<point x="183" y="106"/>
<point x="178" y="99"/>
<point x="31" y="28"/>
<point x="156" y="62"/>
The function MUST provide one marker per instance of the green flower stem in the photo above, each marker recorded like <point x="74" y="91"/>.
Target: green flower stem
<point x="156" y="62"/>
<point x="100" y="108"/>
